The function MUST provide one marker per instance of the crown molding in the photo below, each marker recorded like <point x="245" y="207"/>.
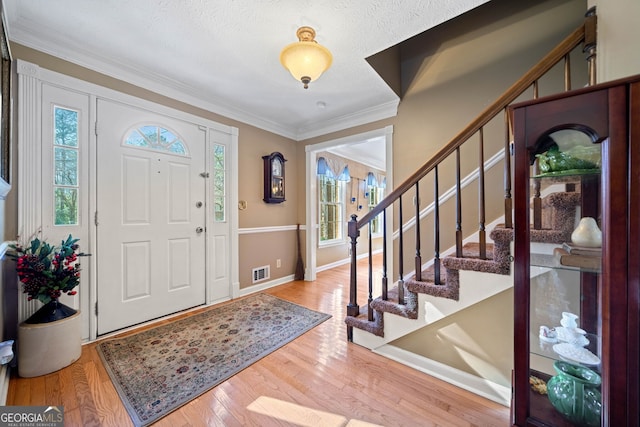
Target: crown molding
<point x="182" y="92"/>
<point x="369" y="115"/>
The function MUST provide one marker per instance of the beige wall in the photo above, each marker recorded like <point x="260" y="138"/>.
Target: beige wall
<point x="257" y="249"/>
<point x="253" y="144"/>
<point x="477" y="341"/>
<point x="618" y="34"/>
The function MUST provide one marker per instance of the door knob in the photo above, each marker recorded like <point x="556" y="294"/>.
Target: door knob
<point x="199" y="230"/>
<point x="198" y="204"/>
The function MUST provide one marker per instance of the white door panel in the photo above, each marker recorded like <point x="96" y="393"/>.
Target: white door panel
<point x="151" y="257"/>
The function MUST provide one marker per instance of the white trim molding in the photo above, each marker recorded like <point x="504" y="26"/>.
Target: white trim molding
<point x="29" y="149"/>
<point x="272" y="229"/>
<point x="312" y="199"/>
<point x="29" y="155"/>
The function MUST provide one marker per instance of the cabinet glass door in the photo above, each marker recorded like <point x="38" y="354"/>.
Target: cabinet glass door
<point x="565" y="266"/>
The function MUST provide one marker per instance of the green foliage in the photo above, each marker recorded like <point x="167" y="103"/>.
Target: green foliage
<point x="46" y="271"/>
<point x="579" y="157"/>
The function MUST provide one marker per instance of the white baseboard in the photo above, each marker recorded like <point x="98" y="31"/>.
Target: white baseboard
<point x="480" y="386"/>
<point x="266" y="285"/>
<point x="345" y="261"/>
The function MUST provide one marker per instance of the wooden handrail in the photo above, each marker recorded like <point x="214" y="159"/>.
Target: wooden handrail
<point x="528" y="79"/>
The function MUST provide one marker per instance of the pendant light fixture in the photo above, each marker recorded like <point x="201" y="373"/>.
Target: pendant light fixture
<point x="306" y="60"/>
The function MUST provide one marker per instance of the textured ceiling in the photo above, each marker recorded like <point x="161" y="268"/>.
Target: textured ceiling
<point x="222" y="55"/>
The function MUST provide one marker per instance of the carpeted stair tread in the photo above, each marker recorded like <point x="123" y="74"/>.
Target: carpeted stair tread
<point x="497" y="258"/>
<point x="391" y="305"/>
<point x="558" y="217"/>
<point x="376" y="327"/>
<point x="449" y="286"/>
<point x="472" y="250"/>
<point x="550" y="236"/>
<point x="408" y="310"/>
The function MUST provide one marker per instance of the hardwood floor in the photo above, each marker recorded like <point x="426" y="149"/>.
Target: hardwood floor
<point x="318" y="379"/>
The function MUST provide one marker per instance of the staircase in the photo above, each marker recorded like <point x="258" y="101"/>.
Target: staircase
<point x="480" y="265"/>
<point x="555" y="206"/>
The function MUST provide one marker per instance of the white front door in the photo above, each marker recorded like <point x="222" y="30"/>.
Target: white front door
<point x="151" y="212"/>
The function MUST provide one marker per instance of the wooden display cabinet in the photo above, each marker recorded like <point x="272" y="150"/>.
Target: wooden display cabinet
<point x="602" y="289"/>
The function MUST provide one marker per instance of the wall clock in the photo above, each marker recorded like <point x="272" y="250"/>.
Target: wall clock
<point x="274" y="178"/>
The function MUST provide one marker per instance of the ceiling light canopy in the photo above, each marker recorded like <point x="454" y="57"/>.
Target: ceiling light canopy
<point x="306" y="60"/>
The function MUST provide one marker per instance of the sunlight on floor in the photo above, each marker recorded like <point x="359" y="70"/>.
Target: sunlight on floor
<point x="301" y="415"/>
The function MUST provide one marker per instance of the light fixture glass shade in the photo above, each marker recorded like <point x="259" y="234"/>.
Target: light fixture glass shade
<point x="306" y="60"/>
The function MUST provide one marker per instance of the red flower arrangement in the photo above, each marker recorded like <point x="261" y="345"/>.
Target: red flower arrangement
<point x="46" y="271"/>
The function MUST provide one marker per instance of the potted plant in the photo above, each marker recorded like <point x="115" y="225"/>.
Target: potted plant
<point x="52" y="337"/>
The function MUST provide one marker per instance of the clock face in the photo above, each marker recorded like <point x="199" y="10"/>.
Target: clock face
<point x="276" y="167"/>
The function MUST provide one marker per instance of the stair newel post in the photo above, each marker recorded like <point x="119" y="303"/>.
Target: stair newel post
<point x="436" y="228"/>
<point x="508" y="152"/>
<point x="400" y="254"/>
<point x="352" y="228"/>
<point x="385" y="288"/>
<point x="418" y="256"/>
<point x="370" y="297"/>
<point x="458" y="207"/>
<point x="482" y="236"/>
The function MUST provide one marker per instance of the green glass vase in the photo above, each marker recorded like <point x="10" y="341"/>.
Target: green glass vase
<point x="574" y="392"/>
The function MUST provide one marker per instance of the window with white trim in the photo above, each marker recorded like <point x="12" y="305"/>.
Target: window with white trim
<point x="66" y="186"/>
<point x="375" y="194"/>
<point x="153" y="137"/>
<point x="332" y="210"/>
<point x="219" y="183"/>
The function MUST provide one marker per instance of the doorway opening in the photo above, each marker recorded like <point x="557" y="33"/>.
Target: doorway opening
<point x="371" y="149"/>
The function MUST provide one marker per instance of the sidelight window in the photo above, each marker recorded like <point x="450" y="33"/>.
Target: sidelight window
<point x="66" y="169"/>
<point x="219" y="183"/>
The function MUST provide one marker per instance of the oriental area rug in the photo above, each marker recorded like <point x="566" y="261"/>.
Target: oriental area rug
<point x="158" y="370"/>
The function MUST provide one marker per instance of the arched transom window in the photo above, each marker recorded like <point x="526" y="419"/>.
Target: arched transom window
<point x="152" y="137"/>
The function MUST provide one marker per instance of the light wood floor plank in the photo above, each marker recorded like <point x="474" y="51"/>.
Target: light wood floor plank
<point x="318" y="379"/>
